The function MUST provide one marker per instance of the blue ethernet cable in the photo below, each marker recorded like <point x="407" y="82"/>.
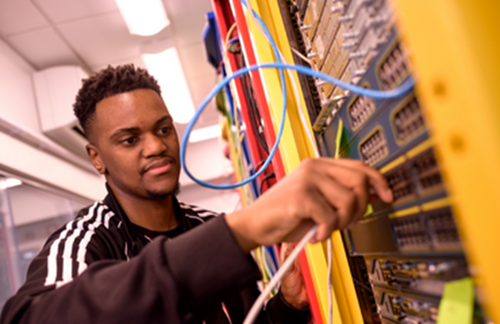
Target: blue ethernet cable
<point x="376" y="94"/>
<point x="404" y="88"/>
<point x="214" y="91"/>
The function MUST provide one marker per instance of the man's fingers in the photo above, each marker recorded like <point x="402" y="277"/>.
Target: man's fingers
<point x="347" y="200"/>
<point x="375" y="179"/>
<point x="345" y="185"/>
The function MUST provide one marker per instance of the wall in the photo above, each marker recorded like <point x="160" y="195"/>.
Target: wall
<point x="205" y="160"/>
<point x="17" y="101"/>
<point x="18" y="107"/>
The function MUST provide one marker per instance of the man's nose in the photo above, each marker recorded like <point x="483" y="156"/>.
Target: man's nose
<point x="153" y="145"/>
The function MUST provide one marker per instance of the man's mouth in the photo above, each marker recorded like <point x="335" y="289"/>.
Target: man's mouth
<point x="158" y="167"/>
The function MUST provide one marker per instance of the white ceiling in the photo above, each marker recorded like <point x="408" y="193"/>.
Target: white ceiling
<point x="92" y="34"/>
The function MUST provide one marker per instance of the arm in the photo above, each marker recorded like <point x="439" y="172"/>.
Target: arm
<point x="177" y="280"/>
<point x="331" y="193"/>
<point x="168" y="282"/>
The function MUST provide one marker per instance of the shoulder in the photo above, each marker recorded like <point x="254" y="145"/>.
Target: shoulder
<point x="198" y="213"/>
<point x="70" y="249"/>
<point x="84" y="225"/>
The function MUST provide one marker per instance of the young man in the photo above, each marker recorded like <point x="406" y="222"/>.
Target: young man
<point x="118" y="261"/>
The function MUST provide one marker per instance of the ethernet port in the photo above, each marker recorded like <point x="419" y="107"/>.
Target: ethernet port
<point x="360" y="109"/>
<point x="443" y="229"/>
<point x="374" y="148"/>
<point x="408" y="122"/>
<point x="427" y="170"/>
<point x="411" y="233"/>
<point x="394" y="69"/>
<point x="400" y="183"/>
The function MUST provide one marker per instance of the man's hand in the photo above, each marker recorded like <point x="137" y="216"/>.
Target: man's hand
<point x="332" y="193"/>
<point x="292" y="285"/>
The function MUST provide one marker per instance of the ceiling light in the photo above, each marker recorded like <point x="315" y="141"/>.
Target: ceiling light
<point x="206" y="133"/>
<point x="9" y="183"/>
<point x="143" y="17"/>
<point x="166" y="68"/>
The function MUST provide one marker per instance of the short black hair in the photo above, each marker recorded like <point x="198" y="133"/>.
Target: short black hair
<point x="106" y="83"/>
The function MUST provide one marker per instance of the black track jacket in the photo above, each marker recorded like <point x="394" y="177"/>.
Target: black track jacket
<point x="100" y="268"/>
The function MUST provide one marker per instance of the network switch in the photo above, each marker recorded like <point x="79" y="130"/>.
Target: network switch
<point x="360" y="109"/>
<point x="374" y="148"/>
<point x="408" y="121"/>
<point x="394" y="69"/>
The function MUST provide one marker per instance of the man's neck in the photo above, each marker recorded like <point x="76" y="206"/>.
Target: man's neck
<point x="154" y="215"/>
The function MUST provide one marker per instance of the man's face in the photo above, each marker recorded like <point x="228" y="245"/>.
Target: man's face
<point x="135" y="144"/>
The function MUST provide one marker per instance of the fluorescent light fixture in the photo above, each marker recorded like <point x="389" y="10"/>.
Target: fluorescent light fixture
<point x="166" y="68"/>
<point x="206" y="133"/>
<point x="9" y="183"/>
<point x="143" y="17"/>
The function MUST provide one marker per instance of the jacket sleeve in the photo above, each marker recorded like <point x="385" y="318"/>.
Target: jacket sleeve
<point x="279" y="311"/>
<point x="168" y="282"/>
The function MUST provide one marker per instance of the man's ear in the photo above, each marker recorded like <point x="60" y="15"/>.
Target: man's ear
<point x="95" y="158"/>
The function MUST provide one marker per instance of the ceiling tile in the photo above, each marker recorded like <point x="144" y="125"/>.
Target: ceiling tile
<point x="43" y="48"/>
<point x="19" y="16"/>
<point x="101" y="39"/>
<point x="66" y="10"/>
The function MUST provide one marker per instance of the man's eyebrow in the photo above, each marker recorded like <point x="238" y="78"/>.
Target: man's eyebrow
<point x="135" y="129"/>
<point x="124" y="130"/>
<point x="164" y="118"/>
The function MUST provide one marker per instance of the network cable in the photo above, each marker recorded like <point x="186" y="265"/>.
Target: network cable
<point x="376" y="94"/>
<point x="256" y="307"/>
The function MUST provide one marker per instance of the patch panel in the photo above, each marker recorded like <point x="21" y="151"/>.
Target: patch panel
<point x="374" y="148"/>
<point x="327" y="30"/>
<point x="407" y="309"/>
<point x="429" y="230"/>
<point x="402" y="272"/>
<point x="336" y="61"/>
<point x="394" y="69"/>
<point x="408" y="122"/>
<point x="410" y="248"/>
<point x="411" y="233"/>
<point x="401" y="183"/>
<point x="311" y="20"/>
<point x="370" y="35"/>
<point x="427" y="171"/>
<point x="416" y="177"/>
<point x="443" y="230"/>
<point x="292" y="18"/>
<point x="360" y="109"/>
<point x="302" y="7"/>
<point x="362" y="285"/>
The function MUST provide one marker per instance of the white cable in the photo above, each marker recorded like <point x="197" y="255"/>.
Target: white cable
<point x="259" y="303"/>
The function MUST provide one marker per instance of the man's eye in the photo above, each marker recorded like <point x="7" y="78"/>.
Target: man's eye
<point x="164" y="130"/>
<point x="129" y="141"/>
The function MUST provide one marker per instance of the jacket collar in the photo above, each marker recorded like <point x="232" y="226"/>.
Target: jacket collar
<point x="127" y="230"/>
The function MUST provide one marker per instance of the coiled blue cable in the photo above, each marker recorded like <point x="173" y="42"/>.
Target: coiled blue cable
<point x="376" y="94"/>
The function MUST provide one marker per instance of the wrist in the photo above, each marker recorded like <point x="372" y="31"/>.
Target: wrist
<point x="238" y="223"/>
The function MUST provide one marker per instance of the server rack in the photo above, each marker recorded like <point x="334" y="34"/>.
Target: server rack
<point x="400" y="263"/>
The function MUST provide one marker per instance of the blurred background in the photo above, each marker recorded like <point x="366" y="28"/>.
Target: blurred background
<point x="46" y="48"/>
